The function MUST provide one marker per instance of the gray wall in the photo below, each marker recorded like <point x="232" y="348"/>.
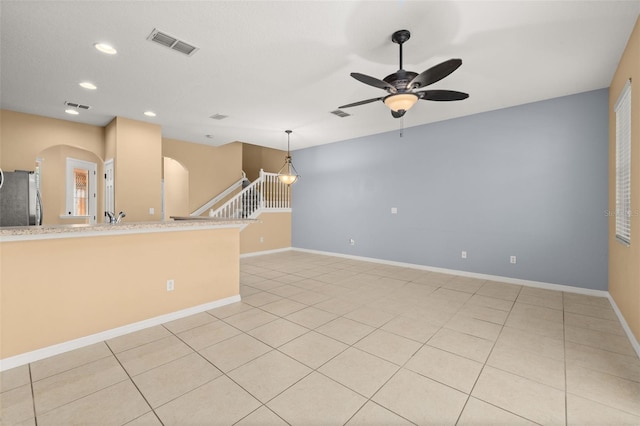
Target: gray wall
<point x="529" y="181"/>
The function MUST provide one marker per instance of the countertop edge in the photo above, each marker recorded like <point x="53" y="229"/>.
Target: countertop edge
<point x="27" y="233"/>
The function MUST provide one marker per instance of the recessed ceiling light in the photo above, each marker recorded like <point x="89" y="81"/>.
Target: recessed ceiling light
<point x="150" y="113"/>
<point x="71" y="111"/>
<point x="105" y="48"/>
<point x="87" y="85"/>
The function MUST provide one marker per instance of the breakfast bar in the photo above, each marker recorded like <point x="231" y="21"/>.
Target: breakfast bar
<point x="68" y="286"/>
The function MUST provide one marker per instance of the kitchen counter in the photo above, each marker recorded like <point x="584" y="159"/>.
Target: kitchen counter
<point x="22" y="233"/>
<point x="68" y="286"/>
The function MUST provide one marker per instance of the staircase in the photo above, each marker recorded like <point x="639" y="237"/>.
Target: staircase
<point x="266" y="193"/>
<point x="215" y="200"/>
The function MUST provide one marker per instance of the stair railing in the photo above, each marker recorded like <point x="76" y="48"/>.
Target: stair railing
<point x="215" y="200"/>
<point x="265" y="193"/>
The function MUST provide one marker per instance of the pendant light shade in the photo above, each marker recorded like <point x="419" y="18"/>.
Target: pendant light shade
<point x="288" y="174"/>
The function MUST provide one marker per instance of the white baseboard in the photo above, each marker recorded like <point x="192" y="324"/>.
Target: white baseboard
<point x="518" y="281"/>
<point x="528" y="283"/>
<point x="261" y="253"/>
<point x="18" y="360"/>
<point x="627" y="329"/>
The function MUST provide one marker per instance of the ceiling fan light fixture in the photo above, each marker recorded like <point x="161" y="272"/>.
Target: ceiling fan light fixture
<point x="288" y="174"/>
<point x="401" y="101"/>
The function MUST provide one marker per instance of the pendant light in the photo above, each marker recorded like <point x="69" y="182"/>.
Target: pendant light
<point x="288" y="174"/>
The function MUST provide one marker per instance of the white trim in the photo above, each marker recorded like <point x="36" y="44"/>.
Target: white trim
<point x="92" y="170"/>
<point x="625" y="326"/>
<point x="528" y="283"/>
<point x="509" y="280"/>
<point x="260" y="253"/>
<point x="275" y="210"/>
<point x="70" y="345"/>
<point x="215" y="200"/>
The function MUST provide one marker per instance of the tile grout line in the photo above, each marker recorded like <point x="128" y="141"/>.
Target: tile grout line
<point x="513" y="304"/>
<point x="352" y="287"/>
<point x="223" y="373"/>
<point x="134" y="384"/>
<point x="475" y="382"/>
<point x="77" y="398"/>
<point x="33" y="397"/>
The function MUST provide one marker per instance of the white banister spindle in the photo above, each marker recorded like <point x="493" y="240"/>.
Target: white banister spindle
<point x="265" y="193"/>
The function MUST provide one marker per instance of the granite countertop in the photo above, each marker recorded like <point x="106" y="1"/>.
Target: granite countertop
<point x="17" y="233"/>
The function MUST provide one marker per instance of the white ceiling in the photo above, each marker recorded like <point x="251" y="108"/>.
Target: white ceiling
<point x="276" y="65"/>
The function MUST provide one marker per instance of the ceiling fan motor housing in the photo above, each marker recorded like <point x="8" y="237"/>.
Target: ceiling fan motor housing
<point x="400" y="80"/>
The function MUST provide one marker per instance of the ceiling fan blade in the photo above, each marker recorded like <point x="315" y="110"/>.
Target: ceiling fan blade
<point x="397" y="114"/>
<point x="372" y="81"/>
<point x="435" y="73"/>
<point x="442" y="95"/>
<point x="360" y="103"/>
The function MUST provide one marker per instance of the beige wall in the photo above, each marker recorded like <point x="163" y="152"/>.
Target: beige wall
<point x="211" y="169"/>
<point x="138" y="169"/>
<point x="271" y="232"/>
<point x="256" y="157"/>
<point x="176" y="189"/>
<point x="624" y="262"/>
<point x="24" y="136"/>
<point x="53" y="183"/>
<point x="82" y="286"/>
<point x="137" y="149"/>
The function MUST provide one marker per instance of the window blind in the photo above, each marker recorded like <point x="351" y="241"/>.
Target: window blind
<point x="622" y="110"/>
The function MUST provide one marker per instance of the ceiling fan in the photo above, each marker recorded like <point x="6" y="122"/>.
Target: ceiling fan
<point x="403" y="86"/>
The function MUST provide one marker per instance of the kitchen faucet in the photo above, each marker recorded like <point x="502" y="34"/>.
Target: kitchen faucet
<point x="113" y="218"/>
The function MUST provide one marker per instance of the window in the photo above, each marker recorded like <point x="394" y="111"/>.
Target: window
<point x="80" y="192"/>
<point x="622" y="109"/>
<point x="81" y="189"/>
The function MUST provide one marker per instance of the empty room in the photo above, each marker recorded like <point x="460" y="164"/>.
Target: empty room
<point x="319" y="213"/>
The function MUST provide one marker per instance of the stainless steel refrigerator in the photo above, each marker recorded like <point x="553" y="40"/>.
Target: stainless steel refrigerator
<point x="19" y="199"/>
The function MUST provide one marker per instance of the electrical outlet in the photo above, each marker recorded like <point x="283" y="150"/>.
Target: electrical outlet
<point x="352" y="242"/>
<point x="463" y="254"/>
<point x="170" y="285"/>
<point x="262" y="239"/>
<point x="394" y="210"/>
<point x="512" y="260"/>
<point x="152" y="210"/>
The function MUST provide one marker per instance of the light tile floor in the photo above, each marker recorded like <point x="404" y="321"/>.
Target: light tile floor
<point x="321" y="340"/>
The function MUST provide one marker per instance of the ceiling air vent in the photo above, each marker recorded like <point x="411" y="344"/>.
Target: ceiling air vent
<point x="172" y="42"/>
<point x="76" y="105"/>
<point x="218" y="116"/>
<point x="340" y="113"/>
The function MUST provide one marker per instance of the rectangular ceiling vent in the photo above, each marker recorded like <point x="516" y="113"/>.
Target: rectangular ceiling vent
<point x="172" y="42"/>
<point x="218" y="116"/>
<point x="76" y="105"/>
<point x="340" y="113"/>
